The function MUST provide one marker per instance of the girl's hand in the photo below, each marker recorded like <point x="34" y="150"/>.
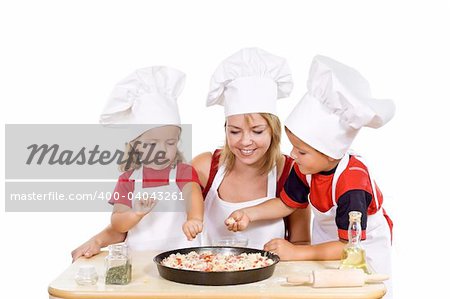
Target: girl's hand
<point x="143" y="206"/>
<point x="192" y="228"/>
<point x="237" y="221"/>
<point x="88" y="249"/>
<point x="283" y="248"/>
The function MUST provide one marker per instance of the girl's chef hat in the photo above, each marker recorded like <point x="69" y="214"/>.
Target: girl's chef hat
<point x="146" y="97"/>
<point x="250" y="81"/>
<point x="338" y="103"/>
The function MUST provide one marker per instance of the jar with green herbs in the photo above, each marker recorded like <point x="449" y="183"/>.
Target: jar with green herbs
<point x="118" y="265"/>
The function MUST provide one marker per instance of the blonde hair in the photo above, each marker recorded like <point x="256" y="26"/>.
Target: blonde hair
<point x="131" y="158"/>
<point x="273" y="154"/>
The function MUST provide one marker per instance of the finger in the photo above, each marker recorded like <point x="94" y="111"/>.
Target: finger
<point x="148" y="203"/>
<point x="270" y="246"/>
<point x="193" y="230"/>
<point x="198" y="228"/>
<point x="235" y="226"/>
<point x="76" y="255"/>
<point x="238" y="216"/>
<point x="186" y="232"/>
<point x="240" y="225"/>
<point x="201" y="228"/>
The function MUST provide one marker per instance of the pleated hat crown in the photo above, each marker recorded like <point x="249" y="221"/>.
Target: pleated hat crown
<point x="337" y="105"/>
<point x="250" y="81"/>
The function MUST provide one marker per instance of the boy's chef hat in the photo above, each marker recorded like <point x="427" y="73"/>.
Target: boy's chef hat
<point x="146" y="97"/>
<point x="250" y="81"/>
<point x="338" y="103"/>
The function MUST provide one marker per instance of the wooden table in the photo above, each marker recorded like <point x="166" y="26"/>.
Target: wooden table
<point x="146" y="283"/>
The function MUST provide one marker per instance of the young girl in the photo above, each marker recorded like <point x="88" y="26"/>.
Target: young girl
<point x="163" y="187"/>
<point x="156" y="189"/>
<point x="326" y="176"/>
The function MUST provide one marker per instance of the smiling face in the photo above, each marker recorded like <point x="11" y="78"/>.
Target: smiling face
<point x="159" y="146"/>
<point x="248" y="137"/>
<point x="309" y="160"/>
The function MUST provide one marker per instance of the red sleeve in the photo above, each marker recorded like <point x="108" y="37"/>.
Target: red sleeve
<point x="186" y="174"/>
<point x="123" y="187"/>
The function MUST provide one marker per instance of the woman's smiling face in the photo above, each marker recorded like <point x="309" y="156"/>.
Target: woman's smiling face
<point x="248" y="137"/>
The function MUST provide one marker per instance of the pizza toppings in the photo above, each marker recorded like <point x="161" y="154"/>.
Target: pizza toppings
<point x="210" y="262"/>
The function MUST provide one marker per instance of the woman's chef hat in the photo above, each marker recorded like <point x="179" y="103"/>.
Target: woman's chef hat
<point x="250" y="81"/>
<point x="338" y="103"/>
<point x="146" y="97"/>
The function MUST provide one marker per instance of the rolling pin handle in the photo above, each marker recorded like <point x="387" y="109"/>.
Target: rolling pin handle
<point x="300" y="279"/>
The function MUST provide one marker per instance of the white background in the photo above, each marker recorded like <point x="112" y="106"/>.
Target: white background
<point x="60" y="60"/>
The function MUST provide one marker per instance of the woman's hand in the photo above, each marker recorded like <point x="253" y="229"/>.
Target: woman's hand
<point x="192" y="228"/>
<point x="284" y="249"/>
<point x="237" y="221"/>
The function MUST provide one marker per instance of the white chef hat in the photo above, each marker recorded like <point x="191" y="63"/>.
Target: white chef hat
<point x="147" y="97"/>
<point x="338" y="103"/>
<point x="250" y="81"/>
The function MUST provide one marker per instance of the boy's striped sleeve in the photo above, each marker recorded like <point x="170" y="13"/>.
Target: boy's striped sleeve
<point x="295" y="191"/>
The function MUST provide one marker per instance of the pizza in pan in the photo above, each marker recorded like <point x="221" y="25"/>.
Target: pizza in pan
<point x="214" y="262"/>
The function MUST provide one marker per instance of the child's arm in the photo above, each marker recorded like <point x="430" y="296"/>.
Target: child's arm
<point x="271" y="209"/>
<point x="194" y="223"/>
<point x="92" y="247"/>
<point x="319" y="252"/>
<point x="299" y="226"/>
<point x="123" y="218"/>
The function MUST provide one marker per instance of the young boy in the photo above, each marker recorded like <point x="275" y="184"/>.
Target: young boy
<point x="321" y="129"/>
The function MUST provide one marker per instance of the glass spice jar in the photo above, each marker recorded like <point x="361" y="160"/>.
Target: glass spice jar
<point x="118" y="265"/>
<point x="86" y="275"/>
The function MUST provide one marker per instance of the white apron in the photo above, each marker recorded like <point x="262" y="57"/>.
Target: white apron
<point x="217" y="210"/>
<point x="378" y="234"/>
<point x="159" y="230"/>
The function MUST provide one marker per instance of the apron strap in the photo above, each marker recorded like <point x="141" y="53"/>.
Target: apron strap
<point x="372" y="181"/>
<point x="137" y="176"/>
<point x="272" y="183"/>
<point x="340" y="168"/>
<point x="173" y="175"/>
<point x="308" y="180"/>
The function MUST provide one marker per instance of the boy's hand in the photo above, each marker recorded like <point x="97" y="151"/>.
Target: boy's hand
<point x="237" y="221"/>
<point x="143" y="206"/>
<point x="192" y="228"/>
<point x="283" y="248"/>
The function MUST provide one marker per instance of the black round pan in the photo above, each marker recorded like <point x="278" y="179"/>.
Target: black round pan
<point x="215" y="278"/>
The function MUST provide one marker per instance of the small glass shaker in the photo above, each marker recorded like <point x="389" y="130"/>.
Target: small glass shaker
<point x="86" y="275"/>
<point x="118" y="265"/>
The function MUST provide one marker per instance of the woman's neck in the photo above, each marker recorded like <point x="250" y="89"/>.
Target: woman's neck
<point x="246" y="170"/>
